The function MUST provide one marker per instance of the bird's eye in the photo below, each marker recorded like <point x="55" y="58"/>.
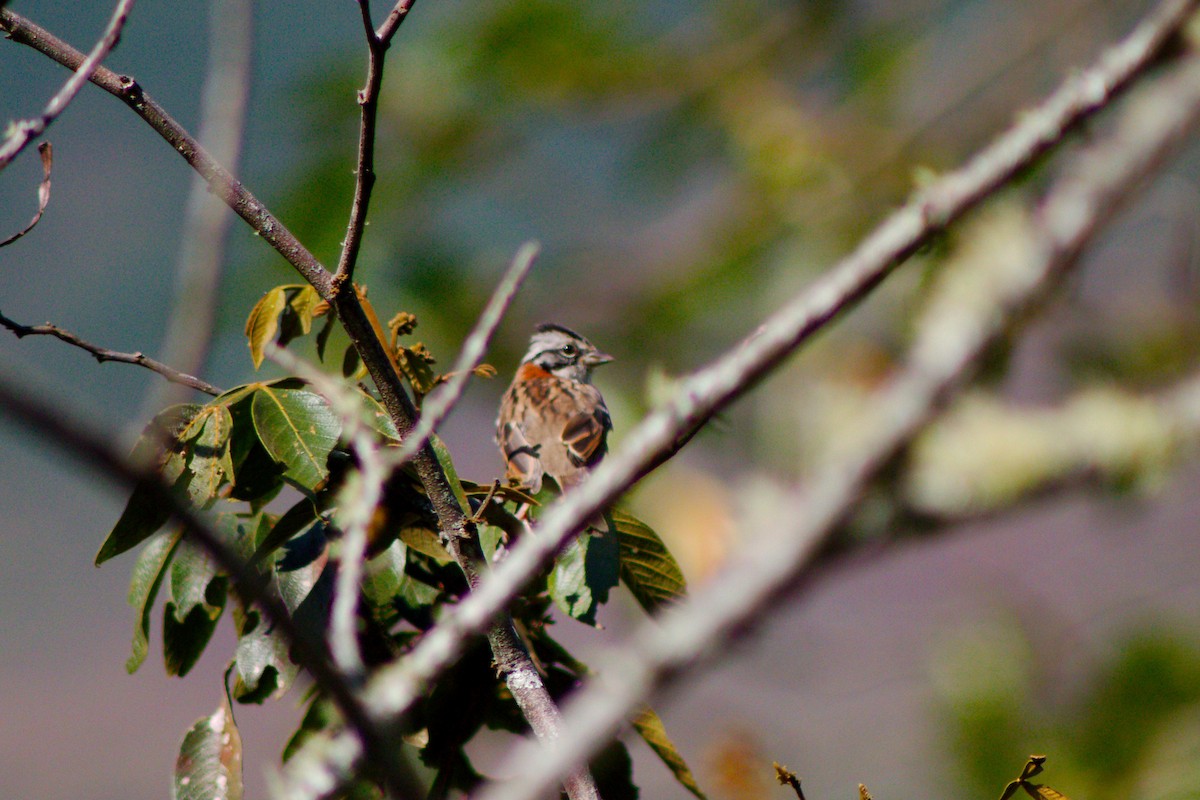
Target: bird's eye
<point x="569" y="350"/>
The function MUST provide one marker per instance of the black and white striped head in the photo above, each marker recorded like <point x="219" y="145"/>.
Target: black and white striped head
<point x="563" y="353"/>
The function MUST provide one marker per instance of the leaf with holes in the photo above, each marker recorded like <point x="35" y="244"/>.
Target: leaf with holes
<point x="196" y="596"/>
<point x="298" y="429"/>
<point x="209" y="460"/>
<point x="209" y="765"/>
<point x="264" y="667"/>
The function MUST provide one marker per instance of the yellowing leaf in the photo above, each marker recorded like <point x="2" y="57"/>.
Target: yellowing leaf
<point x="263" y="322"/>
<point x="416" y="363"/>
<point x="208" y="459"/>
<point x="650" y="727"/>
<point x="1046" y="793"/>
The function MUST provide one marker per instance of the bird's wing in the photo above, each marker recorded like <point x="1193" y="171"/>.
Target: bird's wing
<point x="522" y="457"/>
<point x="585" y="435"/>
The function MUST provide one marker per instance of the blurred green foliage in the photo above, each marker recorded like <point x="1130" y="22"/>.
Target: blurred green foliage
<point x="1130" y="730"/>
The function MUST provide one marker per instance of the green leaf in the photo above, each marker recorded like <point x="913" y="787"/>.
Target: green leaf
<point x="196" y="597"/>
<point x="489" y="539"/>
<point x="321" y="716"/>
<point x="263" y="666"/>
<point x="650" y="727"/>
<point x="613" y="770"/>
<point x="263" y="322"/>
<point x="295" y="521"/>
<point x="184" y="641"/>
<point x="144" y="513"/>
<point x="209" y="765"/>
<point x="298" y="429"/>
<point x="583" y="573"/>
<point x="191" y="573"/>
<point x="352" y="366"/>
<point x="443" y="457"/>
<point x="377" y="418"/>
<point x="647" y="567"/>
<point x="257" y="477"/>
<point x="323" y="335"/>
<point x="383" y="575"/>
<point x="148" y="573"/>
<point x="416" y="594"/>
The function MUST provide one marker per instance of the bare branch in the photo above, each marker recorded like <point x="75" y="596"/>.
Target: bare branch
<point x="47" y="153"/>
<point x="103" y="354"/>
<point x="24" y="132"/>
<point x="364" y="174"/>
<point x="219" y="179"/>
<point x="958" y="329"/>
<point x="206" y="222"/>
<point x="390" y="25"/>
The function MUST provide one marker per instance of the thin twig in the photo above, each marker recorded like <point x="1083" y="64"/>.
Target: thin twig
<point x="364" y="174"/>
<point x="390" y="25"/>
<point x="788" y="778"/>
<point x="25" y="131"/>
<point x="47" y="153"/>
<point x="206" y="220"/>
<point x="102" y="354"/>
<point x="442" y="400"/>
<point x="949" y="347"/>
<point x="219" y="179"/>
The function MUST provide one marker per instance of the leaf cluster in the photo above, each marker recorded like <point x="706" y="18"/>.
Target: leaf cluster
<point x="270" y="462"/>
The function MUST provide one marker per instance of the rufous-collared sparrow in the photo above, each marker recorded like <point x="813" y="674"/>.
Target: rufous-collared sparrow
<point x="553" y="421"/>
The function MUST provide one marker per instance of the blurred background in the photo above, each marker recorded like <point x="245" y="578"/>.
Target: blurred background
<point x="687" y="167"/>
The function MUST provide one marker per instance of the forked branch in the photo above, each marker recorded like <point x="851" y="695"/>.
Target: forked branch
<point x="25" y="131"/>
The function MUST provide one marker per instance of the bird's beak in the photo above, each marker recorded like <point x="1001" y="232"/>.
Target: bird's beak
<point x="596" y="358"/>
